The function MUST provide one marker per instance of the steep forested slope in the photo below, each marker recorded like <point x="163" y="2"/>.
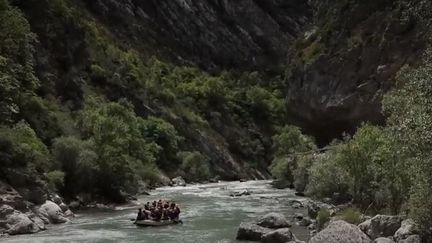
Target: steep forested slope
<point x="124" y="92"/>
<point x="97" y="97"/>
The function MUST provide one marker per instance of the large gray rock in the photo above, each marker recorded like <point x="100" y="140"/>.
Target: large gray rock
<point x="381" y="226"/>
<point x="408" y="227"/>
<point x="411" y="239"/>
<point x="278" y="236"/>
<point x="251" y="232"/>
<point x="11" y="197"/>
<point x="273" y="221"/>
<point x="178" y="181"/>
<point x="52" y="213"/>
<point x="383" y="240"/>
<point x="14" y="222"/>
<point x="341" y="232"/>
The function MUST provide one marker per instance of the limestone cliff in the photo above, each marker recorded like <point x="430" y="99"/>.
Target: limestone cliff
<point x="347" y="59"/>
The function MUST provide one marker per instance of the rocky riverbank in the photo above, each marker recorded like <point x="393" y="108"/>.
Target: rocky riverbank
<point x="20" y="216"/>
<point x="275" y="227"/>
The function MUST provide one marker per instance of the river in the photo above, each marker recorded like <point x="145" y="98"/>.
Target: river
<point x="209" y="214"/>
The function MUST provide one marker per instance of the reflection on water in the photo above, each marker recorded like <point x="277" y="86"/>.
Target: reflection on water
<point x="208" y="212"/>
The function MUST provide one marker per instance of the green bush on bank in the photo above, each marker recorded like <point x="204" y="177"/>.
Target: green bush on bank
<point x="350" y="215"/>
<point x="293" y="156"/>
<point x="194" y="166"/>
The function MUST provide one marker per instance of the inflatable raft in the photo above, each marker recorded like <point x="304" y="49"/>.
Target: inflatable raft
<point x="151" y="223"/>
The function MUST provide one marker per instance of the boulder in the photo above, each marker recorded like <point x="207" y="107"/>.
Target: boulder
<point x="14" y="222"/>
<point x="411" y="239"/>
<point x="298" y="216"/>
<point x="35" y="194"/>
<point x="11" y="197"/>
<point x="314" y="207"/>
<point x="63" y="207"/>
<point x="214" y="179"/>
<point x="74" y="204"/>
<point x="239" y="194"/>
<point x="52" y="213"/>
<point x="312" y="225"/>
<point x="383" y="240"/>
<point x="296" y="204"/>
<point x="251" y="232"/>
<point x="281" y="184"/>
<point x="38" y="221"/>
<point x="178" y="181"/>
<point x="408" y="227"/>
<point x="56" y="199"/>
<point x="273" y="221"/>
<point x="278" y="236"/>
<point x="306" y="221"/>
<point x="341" y="232"/>
<point x="381" y="226"/>
<point x="69" y="214"/>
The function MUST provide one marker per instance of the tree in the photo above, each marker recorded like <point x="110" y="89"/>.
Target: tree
<point x="194" y="166"/>
<point x="409" y="108"/>
<point x="17" y="77"/>
<point x="291" y="149"/>
<point x="123" y="152"/>
<point x="78" y="161"/>
<point x="165" y="135"/>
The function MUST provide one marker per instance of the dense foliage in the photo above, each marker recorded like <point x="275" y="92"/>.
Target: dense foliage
<point x="88" y="113"/>
<point x="382" y="169"/>
<point x="293" y="156"/>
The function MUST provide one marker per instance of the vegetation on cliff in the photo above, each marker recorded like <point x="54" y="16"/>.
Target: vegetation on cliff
<point x="87" y="113"/>
<point x="383" y="169"/>
<point x="84" y="111"/>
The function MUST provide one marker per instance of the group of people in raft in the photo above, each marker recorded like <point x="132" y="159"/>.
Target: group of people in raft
<point x="160" y="210"/>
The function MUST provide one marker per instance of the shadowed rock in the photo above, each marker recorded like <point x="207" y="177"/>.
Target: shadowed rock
<point x="341" y="232"/>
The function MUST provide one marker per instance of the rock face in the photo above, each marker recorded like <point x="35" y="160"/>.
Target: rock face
<point x="14" y="222"/>
<point x="341" y="232"/>
<point x="407" y="228"/>
<point x="381" y="226"/>
<point x="11" y="197"/>
<point x="278" y="236"/>
<point x="210" y="33"/>
<point x="251" y="232"/>
<point x="273" y="221"/>
<point x="346" y="61"/>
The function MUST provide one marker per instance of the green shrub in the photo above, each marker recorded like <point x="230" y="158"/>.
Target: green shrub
<point x="79" y="163"/>
<point x="323" y="217"/>
<point x="292" y="155"/>
<point x="410" y="116"/>
<point x="301" y="173"/>
<point x="55" y="180"/>
<point x="350" y="215"/>
<point x="165" y="135"/>
<point x="17" y="77"/>
<point x="326" y="177"/>
<point x="22" y="148"/>
<point x="117" y="137"/>
<point x="281" y="169"/>
<point x="194" y="166"/>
